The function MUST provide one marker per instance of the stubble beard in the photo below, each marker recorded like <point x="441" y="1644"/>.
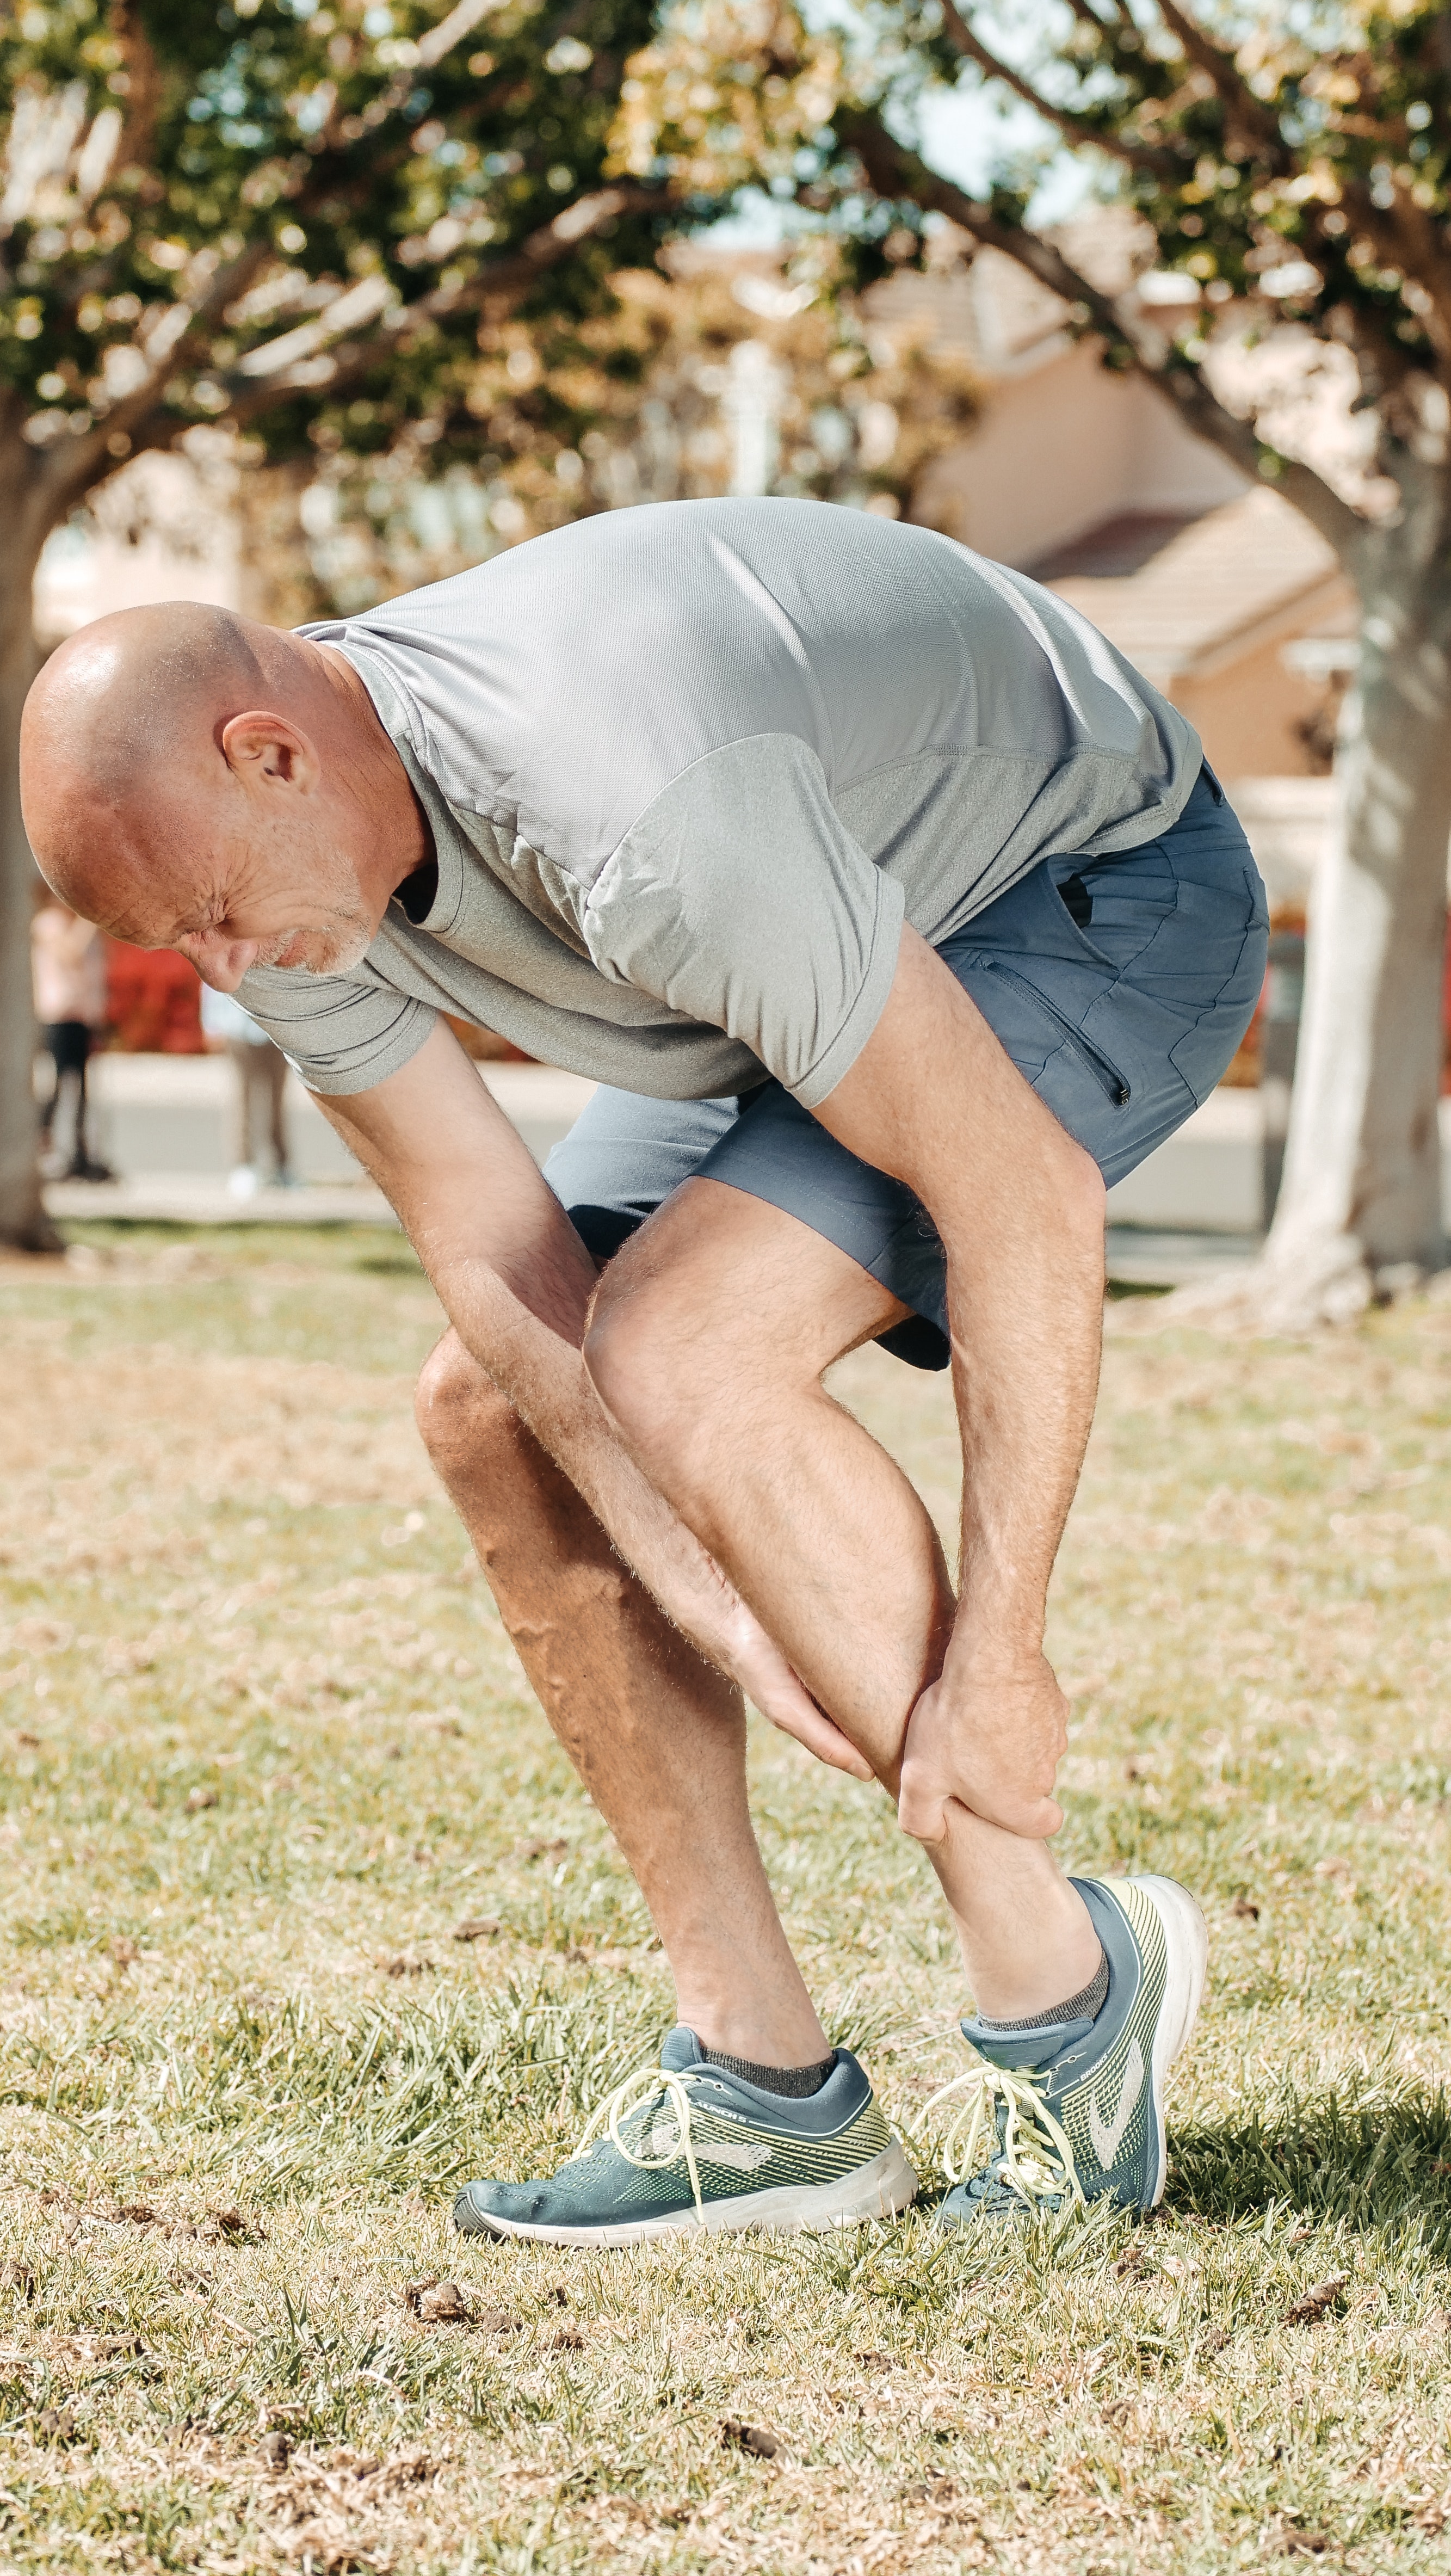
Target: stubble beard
<point x="332" y="948"/>
<point x="338" y="950"/>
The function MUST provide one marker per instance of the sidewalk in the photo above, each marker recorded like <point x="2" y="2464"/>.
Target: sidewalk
<point x="162" y="1123"/>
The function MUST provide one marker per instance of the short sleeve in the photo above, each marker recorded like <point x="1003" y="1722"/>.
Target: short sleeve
<point x="340" y="1033"/>
<point x="740" y="899"/>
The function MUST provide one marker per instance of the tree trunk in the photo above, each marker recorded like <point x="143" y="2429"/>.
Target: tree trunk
<point x="23" y="1221"/>
<point x="1359" y="1215"/>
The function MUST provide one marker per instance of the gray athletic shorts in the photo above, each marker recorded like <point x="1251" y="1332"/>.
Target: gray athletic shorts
<point x="1120" y="986"/>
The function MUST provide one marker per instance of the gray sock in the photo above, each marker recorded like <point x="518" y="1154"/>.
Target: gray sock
<point x="795" y="2081"/>
<point x="1086" y="2005"/>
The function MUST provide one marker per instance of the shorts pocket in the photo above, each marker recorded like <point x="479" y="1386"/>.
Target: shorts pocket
<point x="1118" y="905"/>
<point x="1068" y="1034"/>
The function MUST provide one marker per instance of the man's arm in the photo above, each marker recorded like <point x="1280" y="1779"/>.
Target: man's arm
<point x="516" y="1281"/>
<point x="934" y="1100"/>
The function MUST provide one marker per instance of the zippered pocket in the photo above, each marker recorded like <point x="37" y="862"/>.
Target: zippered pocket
<point x="1105" y="1073"/>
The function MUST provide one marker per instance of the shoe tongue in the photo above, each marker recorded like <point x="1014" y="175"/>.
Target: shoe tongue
<point x="682" y="2048"/>
<point x="1012" y="2049"/>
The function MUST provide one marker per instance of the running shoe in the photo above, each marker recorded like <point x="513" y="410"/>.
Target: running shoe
<point x="683" y="2145"/>
<point x="1054" y="2117"/>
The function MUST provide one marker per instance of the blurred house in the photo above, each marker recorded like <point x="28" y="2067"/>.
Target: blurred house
<point x="161" y="530"/>
<point x="1219" y="591"/>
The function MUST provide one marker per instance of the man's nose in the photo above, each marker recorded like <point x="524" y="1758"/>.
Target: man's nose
<point x="222" y="963"/>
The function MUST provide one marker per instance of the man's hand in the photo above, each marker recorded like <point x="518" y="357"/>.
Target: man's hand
<point x="755" y="1661"/>
<point x="990" y="1742"/>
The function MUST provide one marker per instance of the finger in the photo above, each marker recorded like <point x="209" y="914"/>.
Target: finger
<point x="781" y="1695"/>
<point x="922" y="1812"/>
<point x="1033" y="1820"/>
<point x="820" y="1737"/>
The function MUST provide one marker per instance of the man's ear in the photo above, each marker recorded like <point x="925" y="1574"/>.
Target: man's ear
<point x="264" y="746"/>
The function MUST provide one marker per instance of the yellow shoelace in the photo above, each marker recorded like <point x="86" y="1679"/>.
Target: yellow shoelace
<point x="1035" y="2157"/>
<point x="630" y="2097"/>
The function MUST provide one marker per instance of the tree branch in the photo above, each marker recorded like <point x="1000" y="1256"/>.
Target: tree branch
<point x="1139" y="156"/>
<point x="1233" y="89"/>
<point x="502" y="281"/>
<point x="896" y="172"/>
<point x="1408" y="239"/>
<point x="1340" y="526"/>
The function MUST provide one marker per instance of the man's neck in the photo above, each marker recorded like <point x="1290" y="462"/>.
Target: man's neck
<point x="403" y="839"/>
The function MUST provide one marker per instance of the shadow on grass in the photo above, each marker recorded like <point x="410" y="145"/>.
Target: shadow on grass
<point x="1377" y="2158"/>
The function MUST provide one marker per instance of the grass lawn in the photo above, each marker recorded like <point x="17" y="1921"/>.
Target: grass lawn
<point x="266" y="1747"/>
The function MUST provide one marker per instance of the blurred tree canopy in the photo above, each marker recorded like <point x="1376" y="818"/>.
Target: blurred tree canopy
<point x="714" y="378"/>
<point x="252" y="213"/>
<point x="282" y="217"/>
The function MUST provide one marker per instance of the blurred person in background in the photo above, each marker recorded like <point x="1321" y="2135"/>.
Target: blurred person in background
<point x="68" y="977"/>
<point x="258" y="1103"/>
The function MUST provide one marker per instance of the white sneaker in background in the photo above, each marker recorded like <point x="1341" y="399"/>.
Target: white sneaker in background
<point x="242" y="1182"/>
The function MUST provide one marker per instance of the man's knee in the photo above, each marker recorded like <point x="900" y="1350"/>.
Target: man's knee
<point x="680" y="1385"/>
<point x="457" y="1407"/>
<point x="631" y="1353"/>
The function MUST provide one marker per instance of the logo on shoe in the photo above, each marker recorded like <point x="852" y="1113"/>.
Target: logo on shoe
<point x="1107" y="2133"/>
<point x="744" y="2155"/>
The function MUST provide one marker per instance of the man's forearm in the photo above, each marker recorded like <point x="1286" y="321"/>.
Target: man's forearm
<point x="934" y="1099"/>
<point x="1025" y="1301"/>
<point x="516" y="1282"/>
<point x="540" y="1368"/>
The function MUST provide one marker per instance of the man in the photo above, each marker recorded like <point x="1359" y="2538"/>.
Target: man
<point x="68" y="978"/>
<point x="896" y="913"/>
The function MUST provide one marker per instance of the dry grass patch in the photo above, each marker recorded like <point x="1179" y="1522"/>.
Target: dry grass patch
<point x="268" y="1756"/>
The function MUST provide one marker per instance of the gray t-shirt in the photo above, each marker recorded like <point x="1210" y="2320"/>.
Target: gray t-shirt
<point x="687" y="767"/>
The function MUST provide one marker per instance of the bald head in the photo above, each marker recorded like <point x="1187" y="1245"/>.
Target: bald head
<point x="191" y="779"/>
<point x="116" y="739"/>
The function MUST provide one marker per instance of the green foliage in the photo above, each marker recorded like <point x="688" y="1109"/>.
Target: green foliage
<point x="188" y="186"/>
<point x="1292" y="167"/>
<point x="1305" y="164"/>
<point x="632" y="405"/>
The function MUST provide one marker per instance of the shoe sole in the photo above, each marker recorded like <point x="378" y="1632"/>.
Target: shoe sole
<point x="1186" y="1947"/>
<point x="878" y="2190"/>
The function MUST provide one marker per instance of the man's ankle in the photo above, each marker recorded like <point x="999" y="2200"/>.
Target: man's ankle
<point x="795" y="2083"/>
<point x="1040" y="1949"/>
<point x="1085" y="2005"/>
<point x="753" y="2036"/>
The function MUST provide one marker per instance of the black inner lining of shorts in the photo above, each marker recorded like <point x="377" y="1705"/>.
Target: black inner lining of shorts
<point x="918" y="1341"/>
<point x="602" y="1230"/>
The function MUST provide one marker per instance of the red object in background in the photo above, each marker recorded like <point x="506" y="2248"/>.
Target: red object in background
<point x="153" y="1001"/>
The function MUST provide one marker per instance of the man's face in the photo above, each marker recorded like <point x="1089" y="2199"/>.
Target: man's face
<point x="278" y="891"/>
<point x="259" y="914"/>
<point x="264" y="856"/>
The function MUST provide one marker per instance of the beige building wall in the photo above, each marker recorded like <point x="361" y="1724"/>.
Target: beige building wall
<point x="1064" y="445"/>
<point x="1248" y="716"/>
<point x="159" y="531"/>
